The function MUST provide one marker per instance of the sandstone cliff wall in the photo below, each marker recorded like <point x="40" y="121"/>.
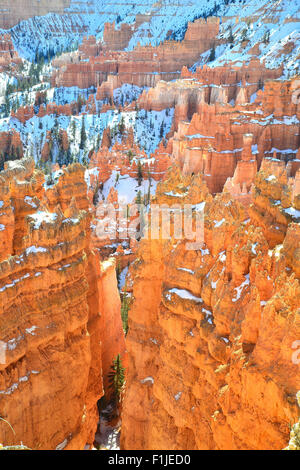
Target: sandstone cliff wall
<point x="212" y="359"/>
<point x="143" y="66"/>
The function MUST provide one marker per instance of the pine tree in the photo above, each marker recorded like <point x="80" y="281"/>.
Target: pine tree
<point x="73" y="129"/>
<point x="130" y="155"/>
<point x="140" y="173"/>
<point x="162" y="130"/>
<point x="122" y="126"/>
<point x="82" y="135"/>
<point x="118" y="272"/>
<point x="116" y="378"/>
<point x="124" y="311"/>
<point x="266" y="38"/>
<point x="138" y="198"/>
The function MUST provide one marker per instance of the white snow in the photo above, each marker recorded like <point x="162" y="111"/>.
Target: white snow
<point x="148" y="379"/>
<point x="35" y="249"/>
<point x="153" y="340"/>
<point x="14" y="282"/>
<point x="62" y="445"/>
<point x="186" y="270"/>
<point x="219" y="223"/>
<point x="42" y="216"/>
<point x="15" y="385"/>
<point x="240" y="288"/>
<point x="183" y="294"/>
<point x="122" y="279"/>
<point x="253" y="248"/>
<point x="271" y="178"/>
<point x="30" y="202"/>
<point x="292" y="212"/>
<point x="127" y="187"/>
<point x="31" y="331"/>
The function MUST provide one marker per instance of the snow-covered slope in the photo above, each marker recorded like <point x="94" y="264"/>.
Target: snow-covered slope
<point x="148" y="128"/>
<point x="87" y="17"/>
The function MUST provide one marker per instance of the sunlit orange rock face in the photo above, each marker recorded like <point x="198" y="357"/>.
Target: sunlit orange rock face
<point x="54" y="294"/>
<point x="212" y="135"/>
<point x="209" y="85"/>
<point x="124" y="157"/>
<point x="212" y="360"/>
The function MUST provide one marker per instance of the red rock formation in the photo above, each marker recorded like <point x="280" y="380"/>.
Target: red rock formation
<point x="211" y="358"/>
<point x="89" y="47"/>
<point x="211" y="85"/>
<point x="64" y="139"/>
<point x="23" y="113"/>
<point x="117" y="39"/>
<point x="53" y="302"/>
<point x="143" y="66"/>
<point x="213" y="141"/>
<point x="11" y="147"/>
<point x="240" y="185"/>
<point x="8" y="54"/>
<point x="124" y="158"/>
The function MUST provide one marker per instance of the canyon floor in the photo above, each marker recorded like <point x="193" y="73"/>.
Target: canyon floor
<point x="150" y="225"/>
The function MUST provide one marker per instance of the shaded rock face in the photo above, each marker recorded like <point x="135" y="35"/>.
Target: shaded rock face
<point x="11" y="147"/>
<point x="212" y="359"/>
<point x="53" y="302"/>
<point x="14" y="11"/>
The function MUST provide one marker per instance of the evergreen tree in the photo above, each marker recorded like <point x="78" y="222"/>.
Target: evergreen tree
<point x="82" y="135"/>
<point x="162" y="130"/>
<point x="212" y="54"/>
<point x="266" y="38"/>
<point x="140" y="173"/>
<point x="122" y="126"/>
<point x="124" y="311"/>
<point x="116" y="378"/>
<point x="118" y="272"/>
<point x="130" y="155"/>
<point x="138" y="198"/>
<point x="73" y="129"/>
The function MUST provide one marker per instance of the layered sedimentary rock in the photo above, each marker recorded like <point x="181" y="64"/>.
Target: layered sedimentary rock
<point x="53" y="294"/>
<point x="14" y="11"/>
<point x="212" y="360"/>
<point x="117" y="39"/>
<point x="210" y="85"/>
<point x="143" y="66"/>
